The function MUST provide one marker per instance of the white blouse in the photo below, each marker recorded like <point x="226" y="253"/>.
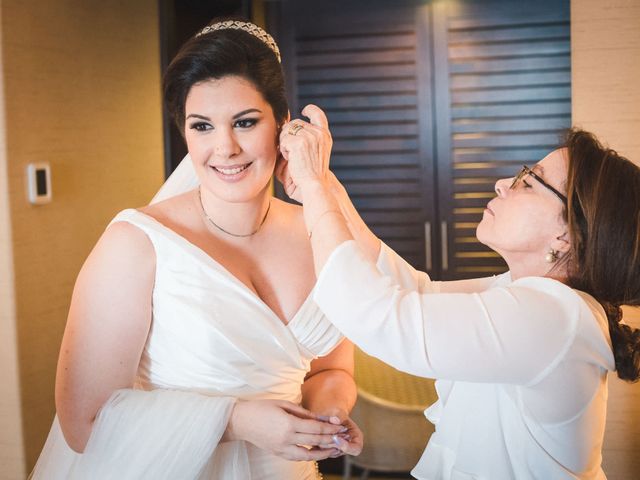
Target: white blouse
<point x="521" y="365"/>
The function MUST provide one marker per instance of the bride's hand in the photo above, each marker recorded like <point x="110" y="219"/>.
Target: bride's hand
<point x="349" y="442"/>
<point x="283" y="428"/>
<point x="305" y="148"/>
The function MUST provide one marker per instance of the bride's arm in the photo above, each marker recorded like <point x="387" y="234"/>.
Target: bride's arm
<point x="330" y="390"/>
<point x="106" y="329"/>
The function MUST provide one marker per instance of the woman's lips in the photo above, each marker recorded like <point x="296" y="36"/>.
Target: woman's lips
<point x="231" y="169"/>
<point x="488" y="209"/>
<point x="231" y="173"/>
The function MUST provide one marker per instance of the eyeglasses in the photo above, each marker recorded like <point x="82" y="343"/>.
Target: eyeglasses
<point x="527" y="171"/>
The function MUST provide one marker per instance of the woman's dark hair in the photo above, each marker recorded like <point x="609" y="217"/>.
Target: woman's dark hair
<point x="603" y="215"/>
<point x="222" y="53"/>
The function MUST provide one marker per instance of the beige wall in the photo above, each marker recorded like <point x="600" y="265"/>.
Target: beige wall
<point x="82" y="91"/>
<point x="11" y="451"/>
<point x="605" y="60"/>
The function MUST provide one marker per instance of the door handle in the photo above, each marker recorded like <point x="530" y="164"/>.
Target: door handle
<point x="445" y="245"/>
<point x="427" y="246"/>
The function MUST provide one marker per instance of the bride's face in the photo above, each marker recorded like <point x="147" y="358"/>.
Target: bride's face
<point x="231" y="135"/>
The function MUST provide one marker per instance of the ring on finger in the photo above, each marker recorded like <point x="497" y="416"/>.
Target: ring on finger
<point x="294" y="129"/>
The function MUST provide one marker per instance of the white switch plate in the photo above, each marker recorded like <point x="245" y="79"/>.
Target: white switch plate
<point x="39" y="183"/>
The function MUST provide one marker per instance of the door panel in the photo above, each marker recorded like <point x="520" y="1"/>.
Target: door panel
<point x="365" y="67"/>
<point x="502" y="97"/>
<point x="429" y="104"/>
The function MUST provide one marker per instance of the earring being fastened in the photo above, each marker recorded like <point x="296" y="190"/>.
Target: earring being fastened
<point x="237" y="235"/>
<point x="551" y="256"/>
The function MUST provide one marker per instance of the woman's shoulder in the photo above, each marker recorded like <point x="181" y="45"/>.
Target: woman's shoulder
<point x="290" y="216"/>
<point x="123" y="237"/>
<point x="545" y="284"/>
<point x="170" y="210"/>
<point x="286" y="207"/>
<point x="122" y="248"/>
<point x="129" y="230"/>
<point x="581" y="306"/>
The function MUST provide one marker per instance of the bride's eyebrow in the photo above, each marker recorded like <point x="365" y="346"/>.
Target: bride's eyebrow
<point x="244" y="112"/>
<point x="201" y="117"/>
<point x="236" y="116"/>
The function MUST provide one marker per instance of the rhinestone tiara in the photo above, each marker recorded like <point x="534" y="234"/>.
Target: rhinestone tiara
<point x="248" y="27"/>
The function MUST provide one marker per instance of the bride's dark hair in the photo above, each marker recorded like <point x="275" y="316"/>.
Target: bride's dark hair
<point x="222" y="53"/>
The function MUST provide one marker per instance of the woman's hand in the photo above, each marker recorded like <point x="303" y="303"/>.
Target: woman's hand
<point x="284" y="429"/>
<point x="306" y="149"/>
<point x="284" y="177"/>
<point x="351" y="441"/>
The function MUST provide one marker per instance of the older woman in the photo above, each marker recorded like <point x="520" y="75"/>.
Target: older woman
<point x="521" y="359"/>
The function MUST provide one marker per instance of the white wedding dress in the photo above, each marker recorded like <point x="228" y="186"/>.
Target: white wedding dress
<point x="212" y="341"/>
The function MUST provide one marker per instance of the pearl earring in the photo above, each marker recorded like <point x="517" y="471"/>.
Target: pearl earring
<point x="551" y="256"/>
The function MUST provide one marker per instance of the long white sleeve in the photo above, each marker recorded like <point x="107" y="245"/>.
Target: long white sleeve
<point x="512" y="334"/>
<point x="393" y="265"/>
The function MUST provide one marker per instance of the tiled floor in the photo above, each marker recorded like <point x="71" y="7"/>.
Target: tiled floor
<point x="371" y="477"/>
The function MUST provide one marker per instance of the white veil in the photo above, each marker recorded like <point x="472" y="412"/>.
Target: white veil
<point x="182" y="180"/>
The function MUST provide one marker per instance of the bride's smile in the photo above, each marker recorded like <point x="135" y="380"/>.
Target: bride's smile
<point x="231" y="132"/>
<point x="232" y="173"/>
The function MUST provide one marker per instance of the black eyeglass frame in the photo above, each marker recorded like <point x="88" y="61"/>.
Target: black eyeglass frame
<point x="527" y="171"/>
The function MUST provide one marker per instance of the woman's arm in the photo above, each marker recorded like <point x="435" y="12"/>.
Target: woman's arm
<point x="106" y="328"/>
<point x="508" y="335"/>
<point x="329" y="390"/>
<point x="512" y="334"/>
<point x="387" y="261"/>
<point x="362" y="234"/>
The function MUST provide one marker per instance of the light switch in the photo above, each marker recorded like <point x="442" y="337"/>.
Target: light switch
<point x="39" y="183"/>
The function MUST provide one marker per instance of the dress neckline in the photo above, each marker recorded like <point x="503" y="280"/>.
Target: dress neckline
<point x="214" y="263"/>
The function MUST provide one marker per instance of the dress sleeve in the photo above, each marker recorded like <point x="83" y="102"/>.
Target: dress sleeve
<point x="513" y="334"/>
<point x="393" y="265"/>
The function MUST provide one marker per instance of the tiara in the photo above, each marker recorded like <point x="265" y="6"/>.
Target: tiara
<point x="248" y="27"/>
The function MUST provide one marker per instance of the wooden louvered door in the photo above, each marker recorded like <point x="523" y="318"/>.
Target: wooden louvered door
<point x="362" y="66"/>
<point x="429" y="103"/>
<point x="503" y="95"/>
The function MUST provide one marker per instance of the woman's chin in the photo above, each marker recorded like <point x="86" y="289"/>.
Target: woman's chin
<point x="481" y="232"/>
<point x="242" y="192"/>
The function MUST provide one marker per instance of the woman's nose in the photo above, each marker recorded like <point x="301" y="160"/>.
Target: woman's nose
<point x="502" y="186"/>
<point x="226" y="145"/>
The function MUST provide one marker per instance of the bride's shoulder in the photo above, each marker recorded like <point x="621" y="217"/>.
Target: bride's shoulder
<point x="169" y="208"/>
<point x="290" y="219"/>
<point x="133" y="225"/>
<point x="289" y="213"/>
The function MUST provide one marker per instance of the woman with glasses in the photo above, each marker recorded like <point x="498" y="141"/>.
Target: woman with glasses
<point x="522" y="358"/>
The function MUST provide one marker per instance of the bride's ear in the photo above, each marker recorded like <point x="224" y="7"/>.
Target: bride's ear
<point x="286" y="120"/>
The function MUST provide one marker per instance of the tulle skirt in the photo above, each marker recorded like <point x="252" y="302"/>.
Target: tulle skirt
<point x="163" y="434"/>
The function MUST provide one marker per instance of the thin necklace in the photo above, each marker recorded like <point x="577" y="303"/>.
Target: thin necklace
<point x="225" y="231"/>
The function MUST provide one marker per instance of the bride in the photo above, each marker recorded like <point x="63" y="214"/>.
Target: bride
<point x="193" y="348"/>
